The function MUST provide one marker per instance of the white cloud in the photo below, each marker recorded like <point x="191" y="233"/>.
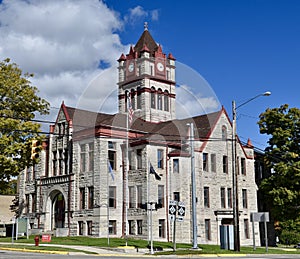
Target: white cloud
<point x="137" y="14"/>
<point x="63" y="42"/>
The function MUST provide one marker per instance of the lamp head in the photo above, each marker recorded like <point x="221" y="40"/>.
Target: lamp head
<point x="266" y="93"/>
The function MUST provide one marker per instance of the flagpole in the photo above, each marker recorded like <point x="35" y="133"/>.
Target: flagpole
<point x="148" y="180"/>
<point x="107" y="203"/>
<point x="126" y="178"/>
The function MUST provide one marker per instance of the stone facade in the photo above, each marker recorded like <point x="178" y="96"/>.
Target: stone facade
<point x="93" y="177"/>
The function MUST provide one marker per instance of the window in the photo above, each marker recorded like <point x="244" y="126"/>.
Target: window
<point x="176" y="196"/>
<point x="54" y="163"/>
<point x="225" y="164"/>
<point x="159" y="99"/>
<point x="223" y="198"/>
<point x="66" y="161"/>
<point x="33" y="202"/>
<point x="245" y="199"/>
<point x="139" y="158"/>
<point x="131" y="197"/>
<point x="161" y="228"/>
<point x="82" y="199"/>
<point x="112" y="154"/>
<point x="91" y="156"/>
<point x="161" y="195"/>
<point x="28" y="173"/>
<point x="207" y="229"/>
<point x="89" y="227"/>
<point x="60" y="162"/>
<point x="229" y="198"/>
<point x="176" y="165"/>
<point x="80" y="228"/>
<point x="91" y="197"/>
<point x="130" y="158"/>
<point x="139" y="196"/>
<point x="61" y="128"/>
<point x="131" y="227"/>
<point x="166" y="100"/>
<point x="213" y="163"/>
<point x="205" y="161"/>
<point x="153" y="101"/>
<point x="138" y="98"/>
<point x="132" y="97"/>
<point x="139" y="227"/>
<point x="224" y="133"/>
<point x="243" y="166"/>
<point x="206" y="197"/>
<point x="34" y="170"/>
<point x="246" y="228"/>
<point x="27" y="203"/>
<point x="126" y="101"/>
<point x="160" y="158"/>
<point x="82" y="158"/>
<point x="237" y="165"/>
<point x="112" y="197"/>
<point x="112" y="229"/>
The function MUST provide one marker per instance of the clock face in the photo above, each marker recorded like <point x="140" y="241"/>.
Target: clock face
<point x="131" y="67"/>
<point x="160" y="66"/>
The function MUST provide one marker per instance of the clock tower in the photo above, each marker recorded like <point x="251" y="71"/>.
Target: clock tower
<point x="147" y="77"/>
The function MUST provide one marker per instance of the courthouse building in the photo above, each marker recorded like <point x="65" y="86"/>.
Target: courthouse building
<point x="82" y="184"/>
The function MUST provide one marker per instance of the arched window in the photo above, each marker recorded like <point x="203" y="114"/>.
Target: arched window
<point x="166" y="100"/>
<point x="159" y="99"/>
<point x="224" y="133"/>
<point x="153" y="101"/>
<point x="126" y="101"/>
<point x="138" y="98"/>
<point x="132" y="95"/>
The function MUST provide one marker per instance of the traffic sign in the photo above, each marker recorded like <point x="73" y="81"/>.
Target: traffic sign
<point x="181" y="209"/>
<point x="172" y="207"/>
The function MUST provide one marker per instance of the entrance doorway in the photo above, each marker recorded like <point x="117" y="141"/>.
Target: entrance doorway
<point x="58" y="205"/>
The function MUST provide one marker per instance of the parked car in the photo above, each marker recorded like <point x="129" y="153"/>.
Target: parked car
<point x="297" y="246"/>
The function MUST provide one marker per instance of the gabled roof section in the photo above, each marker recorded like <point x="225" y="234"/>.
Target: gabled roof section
<point x="146" y="39"/>
<point x="173" y="133"/>
<point x="83" y="119"/>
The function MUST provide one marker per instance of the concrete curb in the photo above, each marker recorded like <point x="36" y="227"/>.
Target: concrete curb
<point x="33" y="251"/>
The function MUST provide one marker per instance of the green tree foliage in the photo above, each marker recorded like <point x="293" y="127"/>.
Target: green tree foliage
<point x="282" y="188"/>
<point x="19" y="105"/>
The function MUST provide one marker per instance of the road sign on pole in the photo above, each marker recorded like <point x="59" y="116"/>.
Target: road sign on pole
<point x="181" y="211"/>
<point x="172" y="207"/>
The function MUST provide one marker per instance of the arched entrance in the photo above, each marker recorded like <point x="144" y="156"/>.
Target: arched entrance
<point x="58" y="205"/>
<point x="55" y="211"/>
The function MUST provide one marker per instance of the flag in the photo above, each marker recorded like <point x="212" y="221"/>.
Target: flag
<point x="152" y="171"/>
<point x="110" y="171"/>
<point x="130" y="110"/>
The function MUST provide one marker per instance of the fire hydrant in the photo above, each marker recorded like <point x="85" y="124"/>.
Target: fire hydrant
<point x="37" y="240"/>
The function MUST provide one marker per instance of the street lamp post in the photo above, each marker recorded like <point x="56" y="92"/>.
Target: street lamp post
<point x="234" y="172"/>
<point x="193" y="182"/>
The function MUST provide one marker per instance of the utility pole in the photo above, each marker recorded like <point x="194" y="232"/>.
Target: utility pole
<point x="193" y="180"/>
<point x="234" y="171"/>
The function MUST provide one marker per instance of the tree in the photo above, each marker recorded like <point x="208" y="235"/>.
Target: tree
<point x="19" y="105"/>
<point x="282" y="155"/>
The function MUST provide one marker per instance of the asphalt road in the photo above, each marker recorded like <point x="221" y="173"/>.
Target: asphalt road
<point x="25" y="255"/>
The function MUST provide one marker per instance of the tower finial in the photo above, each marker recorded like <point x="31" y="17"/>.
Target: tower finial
<point x="146" y="26"/>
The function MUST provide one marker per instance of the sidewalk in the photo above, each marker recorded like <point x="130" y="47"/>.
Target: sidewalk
<point x="124" y="251"/>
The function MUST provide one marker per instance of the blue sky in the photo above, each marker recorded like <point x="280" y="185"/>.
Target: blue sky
<point x="241" y="48"/>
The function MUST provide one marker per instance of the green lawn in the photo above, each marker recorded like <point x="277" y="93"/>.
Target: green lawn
<point x="119" y="242"/>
